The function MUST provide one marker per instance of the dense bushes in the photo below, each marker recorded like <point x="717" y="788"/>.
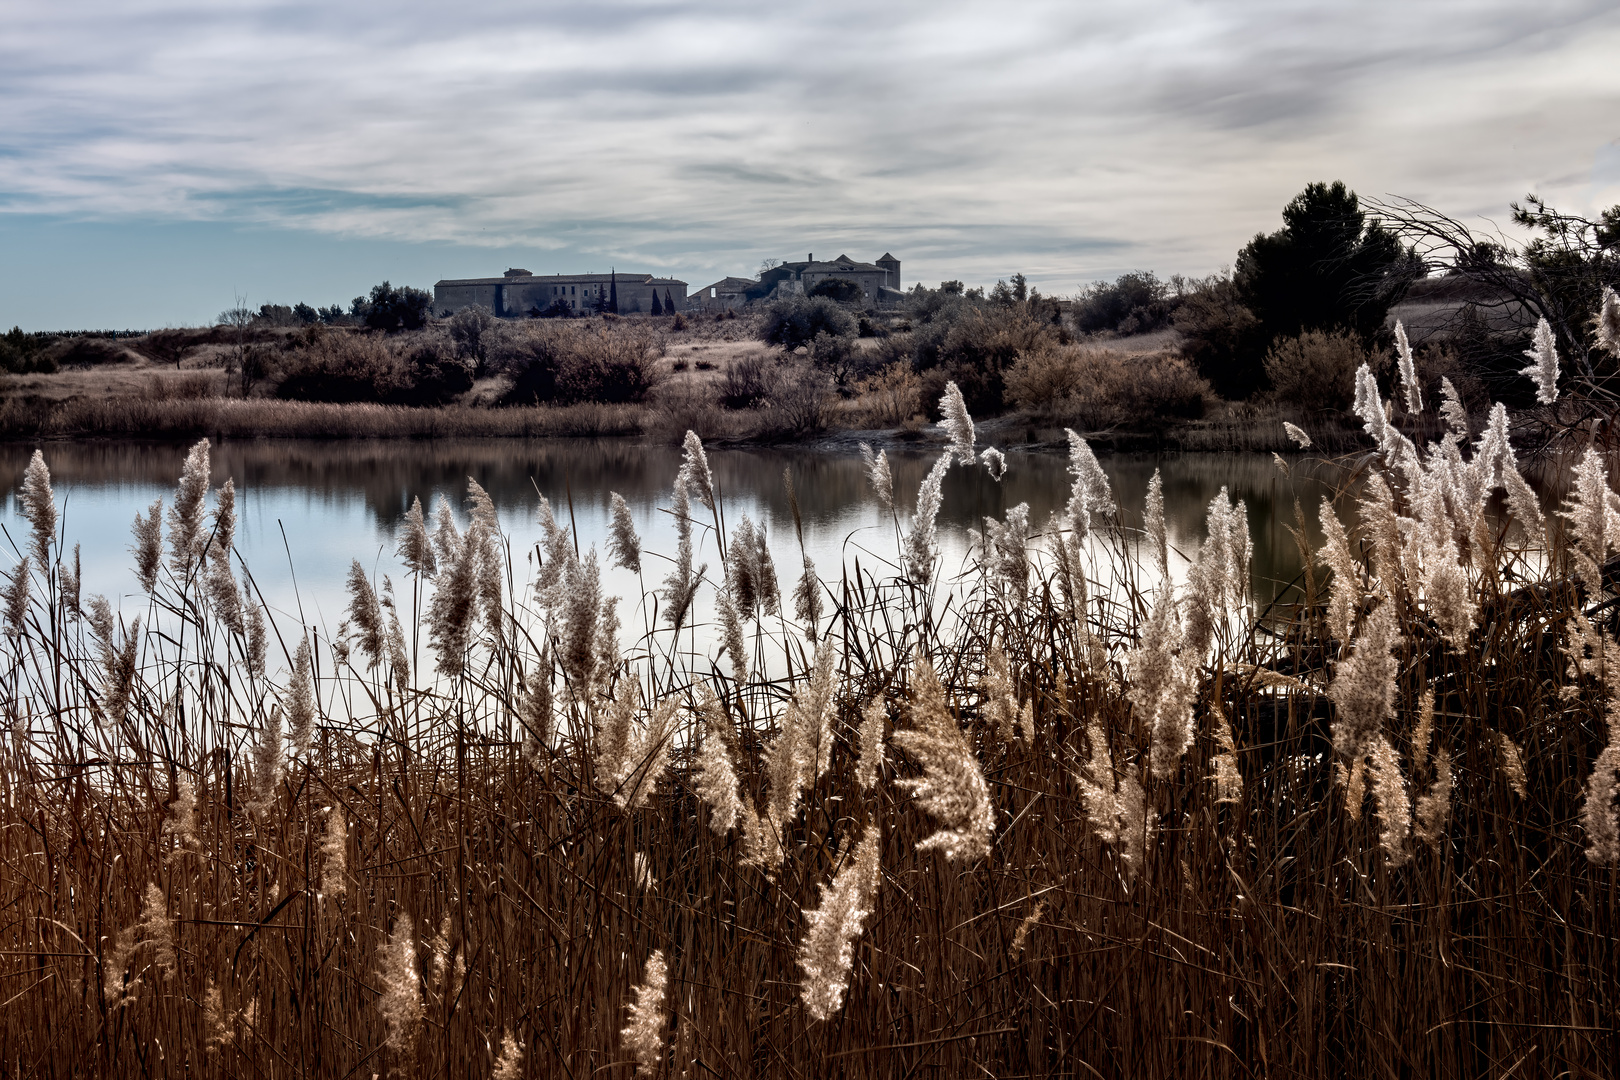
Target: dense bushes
<point x="796" y="321"/>
<point x="345" y="367"/>
<point x="1102" y="388"/>
<point x="550" y="363"/>
<point x="1316" y="370"/>
<point x="1135" y="303"/>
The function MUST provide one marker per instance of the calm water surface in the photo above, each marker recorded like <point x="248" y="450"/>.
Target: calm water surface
<point x="307" y="508"/>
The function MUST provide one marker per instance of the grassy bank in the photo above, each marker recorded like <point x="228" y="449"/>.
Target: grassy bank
<point x="1055" y="817"/>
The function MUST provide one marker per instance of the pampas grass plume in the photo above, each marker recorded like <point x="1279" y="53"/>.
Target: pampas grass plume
<point x="1543" y="367"/>
<point x="828" y="950"/>
<point x="644" y="1035"/>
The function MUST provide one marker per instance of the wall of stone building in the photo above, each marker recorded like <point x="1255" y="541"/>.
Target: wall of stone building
<point x="869" y="281"/>
<point x="449" y="299"/>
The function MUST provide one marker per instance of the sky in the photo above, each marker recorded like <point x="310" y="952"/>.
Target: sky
<point x="160" y="159"/>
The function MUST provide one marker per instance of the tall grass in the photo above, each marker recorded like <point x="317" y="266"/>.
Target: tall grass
<point x="1060" y="816"/>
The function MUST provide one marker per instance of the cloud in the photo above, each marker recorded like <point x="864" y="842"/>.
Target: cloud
<point x="1070" y="140"/>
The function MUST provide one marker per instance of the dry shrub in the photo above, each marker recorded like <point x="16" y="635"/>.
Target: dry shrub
<point x="559" y="363"/>
<point x="891" y="397"/>
<point x="408" y="369"/>
<point x="1101" y="388"/>
<point x="1317" y="370"/>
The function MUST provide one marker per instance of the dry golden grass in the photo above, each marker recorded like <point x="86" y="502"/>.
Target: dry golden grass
<point x="1196" y="855"/>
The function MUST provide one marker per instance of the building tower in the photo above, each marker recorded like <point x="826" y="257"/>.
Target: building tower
<point x="892" y="265"/>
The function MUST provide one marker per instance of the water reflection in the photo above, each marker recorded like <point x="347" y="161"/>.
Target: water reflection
<point x="307" y="508"/>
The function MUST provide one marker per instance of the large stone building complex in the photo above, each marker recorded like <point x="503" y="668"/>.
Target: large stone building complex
<point x="518" y="293"/>
<point x="879" y="282"/>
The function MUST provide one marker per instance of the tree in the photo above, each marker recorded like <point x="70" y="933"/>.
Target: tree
<point x="393" y="309"/>
<point x="1327" y="268"/>
<point x="657" y="308"/>
<point x="842" y="290"/>
<point x="794" y="322"/>
<point x="305" y="314"/>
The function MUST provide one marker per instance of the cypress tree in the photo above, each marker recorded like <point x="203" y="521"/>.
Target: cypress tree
<point x="657" y="308"/>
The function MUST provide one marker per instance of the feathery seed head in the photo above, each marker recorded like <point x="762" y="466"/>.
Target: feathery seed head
<point x="301" y="700"/>
<point x="1608" y="322"/>
<point x="877" y="472"/>
<point x="1433" y="810"/>
<point x="624" y="546"/>
<point x="1452" y="411"/>
<point x="952" y="788"/>
<point x="957" y="423"/>
<point x="401" y="1002"/>
<point x="715" y="779"/>
<point x="148" y="549"/>
<point x="335" y="853"/>
<point x="365" y="614"/>
<point x="995" y="463"/>
<point x="15" y="595"/>
<point x="186" y="516"/>
<point x="695" y="473"/>
<point x="1543" y="368"/>
<point x="644" y="1035"/>
<point x="828" y="950"/>
<point x="415" y="546"/>
<point x="509" y="1065"/>
<point x="1390" y="801"/>
<point x="807" y="601"/>
<point x="1298" y="435"/>
<point x="1363" y="687"/>
<point x="39" y="507"/>
<point x="870" y="762"/>
<point x="920" y="548"/>
<point x="1408" y="369"/>
<point x="1090" y="493"/>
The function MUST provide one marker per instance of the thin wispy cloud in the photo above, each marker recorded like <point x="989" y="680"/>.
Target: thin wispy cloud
<point x="1067" y="140"/>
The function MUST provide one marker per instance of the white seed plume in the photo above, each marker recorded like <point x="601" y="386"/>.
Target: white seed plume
<point x="681" y="584"/>
<point x="807" y="601"/>
<point x="1116" y="807"/>
<point x="877" y="472"/>
<point x="715" y="779"/>
<point x="803" y="747"/>
<point x="1433" y="810"/>
<point x="695" y="473"/>
<point x="952" y="788"/>
<point x="117" y="660"/>
<point x="1600" y="816"/>
<point x="186" y="516"/>
<point x="1543" y="368"/>
<point x="1363" y="687"/>
<point x="644" y="1035"/>
<point x="624" y="545"/>
<point x="1224" y="772"/>
<point x="1587" y="511"/>
<point x="1000" y="695"/>
<point x="15" y="595"/>
<point x="631" y="754"/>
<point x="148" y="549"/>
<point x="39" y="507"/>
<point x="1452" y="411"/>
<point x="957" y="424"/>
<point x="1512" y="763"/>
<point x="1344" y="592"/>
<point x="870" y="762"/>
<point x="267" y="762"/>
<point x="509" y="1065"/>
<point x="1090" y="493"/>
<point x="1608" y="322"/>
<point x="401" y="1002"/>
<point x="415" y="546"/>
<point x="828" y="950"/>
<point x="1298" y="435"/>
<point x="335" y="853"/>
<point x="301" y="700"/>
<point x="920" y="547"/>
<point x="157" y="930"/>
<point x="1390" y="802"/>
<point x="995" y="463"/>
<point x="365" y="615"/>
<point x="1408" y="369"/>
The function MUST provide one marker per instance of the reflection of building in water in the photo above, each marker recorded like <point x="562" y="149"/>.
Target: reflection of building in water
<point x="876" y="284"/>
<point x="518" y="293"/>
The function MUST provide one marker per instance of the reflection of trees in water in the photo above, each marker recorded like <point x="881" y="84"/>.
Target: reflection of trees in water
<point x="386" y="476"/>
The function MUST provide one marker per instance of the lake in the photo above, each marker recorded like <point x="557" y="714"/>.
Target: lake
<point x="307" y="508"/>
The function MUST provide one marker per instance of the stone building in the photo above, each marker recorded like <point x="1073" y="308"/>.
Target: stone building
<point x="879" y="282"/>
<point x="518" y="293"/>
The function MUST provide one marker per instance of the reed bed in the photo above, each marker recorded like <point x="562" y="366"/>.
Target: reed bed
<point x="1061" y="815"/>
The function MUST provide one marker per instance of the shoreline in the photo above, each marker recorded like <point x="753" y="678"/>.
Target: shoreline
<point x="1243" y="429"/>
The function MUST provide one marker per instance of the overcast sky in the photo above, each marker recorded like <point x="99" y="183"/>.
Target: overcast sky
<point x="159" y="157"/>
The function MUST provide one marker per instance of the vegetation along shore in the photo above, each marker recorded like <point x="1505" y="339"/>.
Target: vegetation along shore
<point x="1063" y="813"/>
<point x="1220" y="363"/>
